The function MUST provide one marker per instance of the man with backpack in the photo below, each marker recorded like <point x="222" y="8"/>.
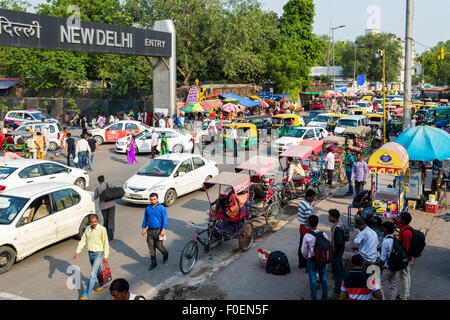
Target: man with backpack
<point x="414" y="243"/>
<point x="305" y="210"/>
<point x="392" y="259"/>
<point x="338" y="247"/>
<point x="108" y="208"/>
<point x="317" y="249"/>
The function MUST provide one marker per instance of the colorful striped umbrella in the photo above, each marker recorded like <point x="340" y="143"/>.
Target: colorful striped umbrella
<point x="193" y="107"/>
<point x="229" y="107"/>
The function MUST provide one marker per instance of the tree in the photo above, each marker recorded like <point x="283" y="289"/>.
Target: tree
<point x="436" y="71"/>
<point x="298" y="49"/>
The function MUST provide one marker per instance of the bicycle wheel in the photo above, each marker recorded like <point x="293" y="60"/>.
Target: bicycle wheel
<point x="273" y="215"/>
<point x="188" y="257"/>
<point x="320" y="186"/>
<point x="342" y="175"/>
<point x="246" y="236"/>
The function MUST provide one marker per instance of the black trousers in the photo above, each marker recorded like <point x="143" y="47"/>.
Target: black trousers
<point x="359" y="187"/>
<point x="338" y="270"/>
<point x="235" y="147"/>
<point x="330" y="176"/>
<point x="109" y="221"/>
<point x="154" y="151"/>
<point x="154" y="243"/>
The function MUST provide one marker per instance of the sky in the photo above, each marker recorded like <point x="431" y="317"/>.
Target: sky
<point x="430" y="18"/>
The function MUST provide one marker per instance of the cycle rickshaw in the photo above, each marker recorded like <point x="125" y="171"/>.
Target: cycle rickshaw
<point x="337" y="145"/>
<point x="266" y="204"/>
<point x="229" y="217"/>
<point x="364" y="138"/>
<point x="18" y="143"/>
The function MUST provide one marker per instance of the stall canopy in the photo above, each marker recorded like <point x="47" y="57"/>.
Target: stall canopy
<point x="313" y="92"/>
<point x="391" y="159"/>
<point x="238" y="181"/>
<point x="259" y="164"/>
<point x="6" y="83"/>
<point x="210" y="105"/>
<point x="242" y="101"/>
<point x="425" y="143"/>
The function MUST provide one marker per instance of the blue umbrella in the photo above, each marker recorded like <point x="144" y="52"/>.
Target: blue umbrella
<point x="424" y="143"/>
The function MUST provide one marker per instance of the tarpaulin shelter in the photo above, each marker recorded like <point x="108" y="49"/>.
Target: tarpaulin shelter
<point x="242" y="101"/>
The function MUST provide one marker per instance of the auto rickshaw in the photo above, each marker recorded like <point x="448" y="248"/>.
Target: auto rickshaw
<point x="375" y="119"/>
<point x="247" y="135"/>
<point x="358" y="112"/>
<point x="279" y="120"/>
<point x="397" y="123"/>
<point x="333" y="119"/>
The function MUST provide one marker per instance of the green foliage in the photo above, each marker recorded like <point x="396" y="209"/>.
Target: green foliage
<point x="298" y="49"/>
<point x="437" y="72"/>
<point x="71" y="105"/>
<point x="19" y="5"/>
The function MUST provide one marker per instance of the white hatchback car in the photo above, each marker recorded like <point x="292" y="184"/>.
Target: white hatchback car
<point x="178" y="142"/>
<point x="35" y="216"/>
<point x="54" y="132"/>
<point x="23" y="172"/>
<point x="169" y="176"/>
<point x="297" y="135"/>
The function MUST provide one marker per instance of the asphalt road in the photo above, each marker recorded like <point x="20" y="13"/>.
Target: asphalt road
<point x="52" y="273"/>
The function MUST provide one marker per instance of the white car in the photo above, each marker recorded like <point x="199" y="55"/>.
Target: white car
<point x="17" y="118"/>
<point x="169" y="176"/>
<point x="54" y="132"/>
<point x="297" y="135"/>
<point x="117" y="130"/>
<point x="35" y="216"/>
<point x="23" y="172"/>
<point x="350" y="121"/>
<point x="321" y="121"/>
<point x="177" y="142"/>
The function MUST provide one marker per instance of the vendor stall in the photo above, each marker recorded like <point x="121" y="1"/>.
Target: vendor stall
<point x="392" y="160"/>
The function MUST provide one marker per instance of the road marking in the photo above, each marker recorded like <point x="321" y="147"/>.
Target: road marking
<point x="11" y="296"/>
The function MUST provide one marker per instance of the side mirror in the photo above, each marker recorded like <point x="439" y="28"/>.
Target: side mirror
<point x="182" y="174"/>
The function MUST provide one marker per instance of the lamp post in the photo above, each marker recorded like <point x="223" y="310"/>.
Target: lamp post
<point x="382" y="54"/>
<point x="354" y="65"/>
<point x="334" y="71"/>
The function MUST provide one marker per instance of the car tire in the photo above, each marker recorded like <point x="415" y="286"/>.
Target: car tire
<point x="84" y="224"/>
<point x="170" y="197"/>
<point x="7" y="258"/>
<point x="99" y="140"/>
<point x="80" y="182"/>
<point x="52" y="146"/>
<point x="178" y="148"/>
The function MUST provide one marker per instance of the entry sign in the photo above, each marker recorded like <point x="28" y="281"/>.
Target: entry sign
<point x="27" y="30"/>
<point x="361" y="79"/>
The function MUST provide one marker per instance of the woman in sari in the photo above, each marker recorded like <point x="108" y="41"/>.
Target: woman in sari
<point x="131" y="149"/>
<point x="164" y="144"/>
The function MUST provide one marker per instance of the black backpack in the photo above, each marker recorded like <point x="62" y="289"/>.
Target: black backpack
<point x="417" y="243"/>
<point x="277" y="263"/>
<point x="322" y="249"/>
<point x="398" y="259"/>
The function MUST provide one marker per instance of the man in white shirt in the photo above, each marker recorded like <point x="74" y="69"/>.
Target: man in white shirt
<point x="162" y="122"/>
<point x="329" y="166"/>
<point x="235" y="140"/>
<point x="389" y="281"/>
<point x="155" y="142"/>
<point x="366" y="243"/>
<point x="82" y="151"/>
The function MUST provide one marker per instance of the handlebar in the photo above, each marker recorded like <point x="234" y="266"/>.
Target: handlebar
<point x="199" y="227"/>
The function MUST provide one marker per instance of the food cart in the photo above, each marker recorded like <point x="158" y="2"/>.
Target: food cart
<point x="391" y="160"/>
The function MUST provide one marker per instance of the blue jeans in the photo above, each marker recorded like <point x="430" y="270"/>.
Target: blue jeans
<point x="96" y="259"/>
<point x="68" y="157"/>
<point x="91" y="161"/>
<point x="82" y="159"/>
<point x="349" y="179"/>
<point x="312" y="271"/>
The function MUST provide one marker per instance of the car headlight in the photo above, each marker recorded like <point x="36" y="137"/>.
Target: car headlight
<point x="125" y="186"/>
<point x="157" y="188"/>
<point x="121" y="143"/>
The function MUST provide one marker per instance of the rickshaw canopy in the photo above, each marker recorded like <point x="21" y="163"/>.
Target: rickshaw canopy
<point x="315" y="144"/>
<point x="302" y="152"/>
<point x="391" y="159"/>
<point x="24" y="134"/>
<point x="237" y="181"/>
<point x="252" y="127"/>
<point x="259" y="164"/>
<point x="360" y="130"/>
<point x="340" y="141"/>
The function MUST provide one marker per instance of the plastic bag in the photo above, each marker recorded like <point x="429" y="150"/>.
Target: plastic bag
<point x="263" y="256"/>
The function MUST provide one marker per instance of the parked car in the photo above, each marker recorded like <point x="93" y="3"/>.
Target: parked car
<point x="321" y="120"/>
<point x="23" y="172"/>
<point x="117" y="130"/>
<point x="178" y="142"/>
<point x="54" y="132"/>
<point x="312" y="114"/>
<point x="297" y="135"/>
<point x="352" y="121"/>
<point x="17" y="118"/>
<point x="204" y="131"/>
<point x="38" y="215"/>
<point x="169" y="176"/>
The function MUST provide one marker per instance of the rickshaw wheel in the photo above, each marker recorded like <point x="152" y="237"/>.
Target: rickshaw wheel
<point x="188" y="257"/>
<point x="273" y="215"/>
<point x="321" y="186"/>
<point x="246" y="236"/>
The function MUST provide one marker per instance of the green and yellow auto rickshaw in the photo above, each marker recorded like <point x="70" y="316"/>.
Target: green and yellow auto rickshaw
<point x="247" y="135"/>
<point x="397" y="123"/>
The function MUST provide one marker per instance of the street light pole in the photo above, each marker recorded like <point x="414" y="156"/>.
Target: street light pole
<point x="354" y="64"/>
<point x="334" y="71"/>
<point x="384" y="95"/>
<point x="408" y="65"/>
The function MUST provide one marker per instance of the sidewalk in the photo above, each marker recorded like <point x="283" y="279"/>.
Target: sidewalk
<point x="245" y="279"/>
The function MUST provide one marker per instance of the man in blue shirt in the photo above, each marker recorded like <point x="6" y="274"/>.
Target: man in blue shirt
<point x="155" y="220"/>
<point x="349" y="160"/>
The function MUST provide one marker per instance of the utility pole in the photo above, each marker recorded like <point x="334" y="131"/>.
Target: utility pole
<point x="354" y="64"/>
<point x="408" y="65"/>
<point x="384" y="95"/>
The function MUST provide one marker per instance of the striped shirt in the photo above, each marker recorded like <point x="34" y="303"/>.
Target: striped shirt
<point x="305" y="209"/>
<point x="359" y="171"/>
<point x="356" y="286"/>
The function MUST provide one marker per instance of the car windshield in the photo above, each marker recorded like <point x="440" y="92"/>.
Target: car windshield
<point x="158" y="168"/>
<point x="10" y="208"/>
<point x="40" y="116"/>
<point x="5" y="172"/>
<point x="321" y="118"/>
<point x="277" y="120"/>
<point x="347" y="123"/>
<point x="297" y="133"/>
<point x="362" y="104"/>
